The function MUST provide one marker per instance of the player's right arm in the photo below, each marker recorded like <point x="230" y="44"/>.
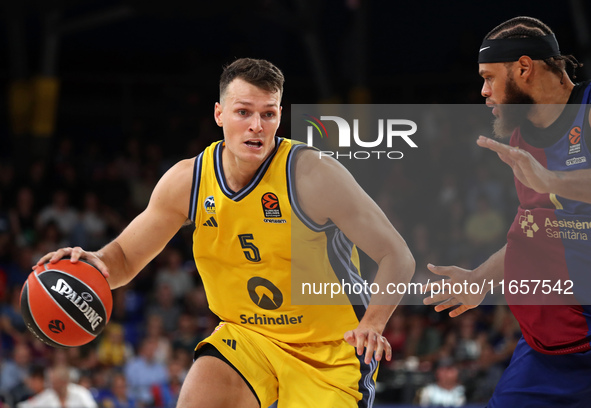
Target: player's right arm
<point x="491" y="270"/>
<point x="328" y="192"/>
<point x="145" y="237"/>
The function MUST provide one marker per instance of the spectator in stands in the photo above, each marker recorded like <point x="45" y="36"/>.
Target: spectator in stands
<point x="12" y="324"/>
<point x="196" y="306"/>
<point x="446" y="391"/>
<point x="174" y="274"/>
<point x="118" y="395"/>
<point x="141" y="187"/>
<point x="113" y="188"/>
<point x="98" y="381"/>
<point x="144" y="372"/>
<point x="23" y="217"/>
<point x="60" y="212"/>
<point x="33" y="385"/>
<point x="63" y="358"/>
<point x="49" y="236"/>
<point x="167" y="395"/>
<point x="91" y="229"/>
<point x="485" y="186"/>
<point x="113" y="350"/>
<point x="485" y="227"/>
<point x="37" y="179"/>
<point x="469" y="340"/>
<point x="422" y="340"/>
<point x="484" y="375"/>
<point x="13" y="373"/>
<point x="20" y="266"/>
<point x="165" y="307"/>
<point x="186" y="335"/>
<point x="155" y="330"/>
<point x="62" y="393"/>
<point x="396" y="333"/>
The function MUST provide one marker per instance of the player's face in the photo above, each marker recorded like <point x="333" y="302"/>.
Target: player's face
<point x="493" y="89"/>
<point x="250" y="117"/>
<point x="510" y="104"/>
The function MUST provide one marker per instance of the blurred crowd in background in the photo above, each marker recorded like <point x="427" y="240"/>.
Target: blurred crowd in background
<point x="88" y="188"/>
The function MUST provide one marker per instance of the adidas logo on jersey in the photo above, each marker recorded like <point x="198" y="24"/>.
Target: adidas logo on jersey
<point x="231" y="343"/>
<point x="210" y="223"/>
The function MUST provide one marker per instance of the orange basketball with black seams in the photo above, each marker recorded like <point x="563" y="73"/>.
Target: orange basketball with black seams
<point x="574" y="135"/>
<point x="66" y="304"/>
<point x="270" y="201"/>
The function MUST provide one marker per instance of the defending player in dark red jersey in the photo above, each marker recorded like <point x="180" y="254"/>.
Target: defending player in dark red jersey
<point x="547" y="116"/>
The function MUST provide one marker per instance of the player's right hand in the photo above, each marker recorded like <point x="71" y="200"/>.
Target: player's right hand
<point x="446" y="300"/>
<point x="525" y="167"/>
<point x="75" y="255"/>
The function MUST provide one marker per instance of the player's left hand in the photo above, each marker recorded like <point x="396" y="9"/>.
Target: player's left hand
<point x="371" y="340"/>
<point x="525" y="167"/>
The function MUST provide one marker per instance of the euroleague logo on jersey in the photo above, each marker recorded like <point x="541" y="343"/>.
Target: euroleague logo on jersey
<point x="271" y="208"/>
<point x="271" y="205"/>
<point x="574" y="139"/>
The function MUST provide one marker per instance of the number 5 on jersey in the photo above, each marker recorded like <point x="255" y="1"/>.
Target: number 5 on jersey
<point x="252" y="252"/>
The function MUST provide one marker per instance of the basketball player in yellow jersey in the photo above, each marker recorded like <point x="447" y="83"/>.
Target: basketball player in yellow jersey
<point x="266" y="348"/>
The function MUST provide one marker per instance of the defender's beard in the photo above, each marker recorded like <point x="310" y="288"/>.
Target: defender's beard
<point x="513" y="111"/>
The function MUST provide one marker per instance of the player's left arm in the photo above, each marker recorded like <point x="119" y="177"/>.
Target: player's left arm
<point x="327" y="191"/>
<point x="574" y="185"/>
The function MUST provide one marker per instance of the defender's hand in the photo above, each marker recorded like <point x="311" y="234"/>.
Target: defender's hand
<point x="525" y="167"/>
<point x="455" y="275"/>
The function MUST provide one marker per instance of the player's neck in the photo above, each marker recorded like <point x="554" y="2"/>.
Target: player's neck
<point x="238" y="173"/>
<point x="551" y="98"/>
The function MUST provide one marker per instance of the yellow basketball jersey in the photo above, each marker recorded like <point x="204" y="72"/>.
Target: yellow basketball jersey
<point x="242" y="246"/>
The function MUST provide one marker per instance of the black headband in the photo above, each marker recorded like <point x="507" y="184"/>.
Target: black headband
<point x="511" y="49"/>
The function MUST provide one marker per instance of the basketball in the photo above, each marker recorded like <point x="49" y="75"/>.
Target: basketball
<point x="66" y="304"/>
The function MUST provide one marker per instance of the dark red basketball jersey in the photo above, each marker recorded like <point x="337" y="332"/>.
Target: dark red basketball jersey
<point x="550" y="238"/>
